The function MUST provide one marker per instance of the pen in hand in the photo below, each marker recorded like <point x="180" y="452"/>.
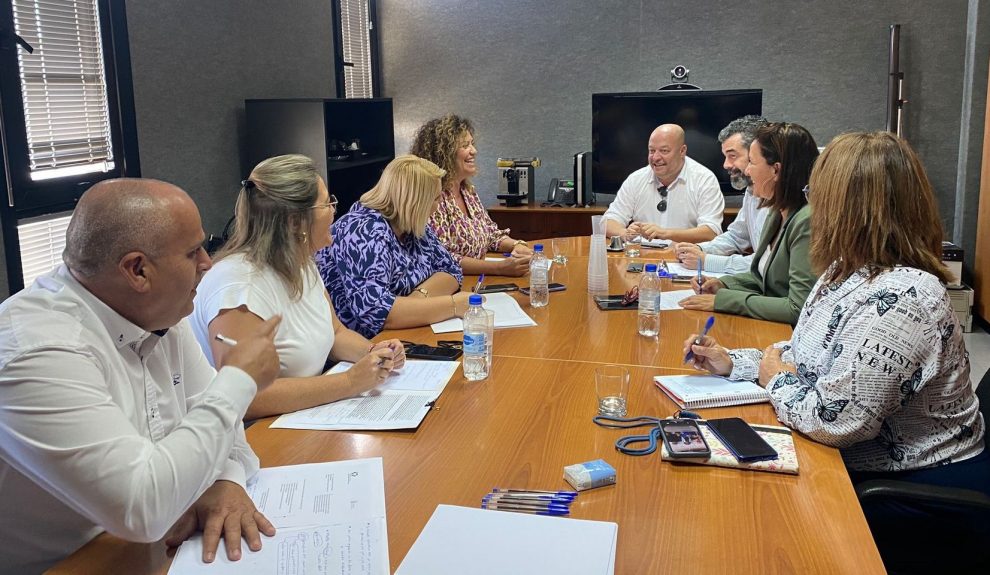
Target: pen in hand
<point x="225" y="340"/>
<point x="477" y="286"/>
<point x="697" y="341"/>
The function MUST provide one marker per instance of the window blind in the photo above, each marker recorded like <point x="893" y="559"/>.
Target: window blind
<point x="63" y="85"/>
<point x="42" y="242"/>
<point x="355" y="40"/>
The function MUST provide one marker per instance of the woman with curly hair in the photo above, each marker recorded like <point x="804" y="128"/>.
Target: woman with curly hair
<point x="461" y="222"/>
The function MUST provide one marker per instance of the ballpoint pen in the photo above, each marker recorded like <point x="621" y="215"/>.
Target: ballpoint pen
<point x="477" y="286"/>
<point x="701" y="336"/>
<point x="224" y="339"/>
<point x="699" y="273"/>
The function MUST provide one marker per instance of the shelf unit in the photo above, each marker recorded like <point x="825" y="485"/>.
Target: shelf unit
<point x="312" y="126"/>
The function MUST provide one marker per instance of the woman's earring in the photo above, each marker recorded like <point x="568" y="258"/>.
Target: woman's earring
<point x="303" y="236"/>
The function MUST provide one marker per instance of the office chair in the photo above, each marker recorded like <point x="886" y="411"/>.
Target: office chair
<point x="957" y="541"/>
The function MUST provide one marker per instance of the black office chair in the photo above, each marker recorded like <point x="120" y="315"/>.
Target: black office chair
<point x="957" y="542"/>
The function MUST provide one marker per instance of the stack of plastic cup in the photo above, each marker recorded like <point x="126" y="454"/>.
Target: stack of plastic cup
<point x="597" y="264"/>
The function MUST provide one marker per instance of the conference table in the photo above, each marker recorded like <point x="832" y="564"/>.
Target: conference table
<point x="533" y="416"/>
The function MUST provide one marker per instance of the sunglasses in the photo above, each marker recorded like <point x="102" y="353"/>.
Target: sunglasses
<point x="662" y="204"/>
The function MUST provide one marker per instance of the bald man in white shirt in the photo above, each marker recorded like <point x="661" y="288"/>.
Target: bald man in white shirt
<point x="111" y="419"/>
<point x="673" y="198"/>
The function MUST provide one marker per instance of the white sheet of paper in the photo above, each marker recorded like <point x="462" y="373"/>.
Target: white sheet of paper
<point x="458" y="540"/>
<point x="329" y="520"/>
<point x="400" y="403"/>
<point x="491" y="259"/>
<point x="671" y="300"/>
<point x="678" y="269"/>
<point x="507" y="314"/>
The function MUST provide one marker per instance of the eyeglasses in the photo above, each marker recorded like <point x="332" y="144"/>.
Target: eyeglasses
<point x="330" y="203"/>
<point x="806" y="190"/>
<point x="662" y="204"/>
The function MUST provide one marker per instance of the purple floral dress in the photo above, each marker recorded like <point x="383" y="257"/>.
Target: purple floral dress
<point x="367" y="267"/>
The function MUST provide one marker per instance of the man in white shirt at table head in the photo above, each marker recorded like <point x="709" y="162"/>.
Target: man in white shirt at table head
<point x="111" y="419"/>
<point x="732" y="251"/>
<point x="673" y="198"/>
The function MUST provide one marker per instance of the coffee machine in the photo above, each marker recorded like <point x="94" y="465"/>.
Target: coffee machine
<point x="515" y="180"/>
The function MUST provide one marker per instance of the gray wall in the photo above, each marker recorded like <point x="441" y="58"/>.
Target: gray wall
<point x="195" y="62"/>
<point x="524" y="71"/>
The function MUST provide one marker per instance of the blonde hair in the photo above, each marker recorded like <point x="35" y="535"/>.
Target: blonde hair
<point x="873" y="207"/>
<point x="405" y="193"/>
<point x="438" y="141"/>
<point x="272" y="218"/>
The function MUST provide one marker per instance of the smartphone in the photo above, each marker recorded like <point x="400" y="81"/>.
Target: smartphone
<point x="496" y="288"/>
<point x="741" y="439"/>
<point x="683" y="438"/>
<point x="613" y="302"/>
<point x="552" y="287"/>
<point x="422" y="351"/>
<point x="635" y="267"/>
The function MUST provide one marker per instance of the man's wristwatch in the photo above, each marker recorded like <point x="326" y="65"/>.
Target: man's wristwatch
<point x="424" y="291"/>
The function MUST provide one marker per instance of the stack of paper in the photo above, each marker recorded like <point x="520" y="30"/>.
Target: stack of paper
<point x="459" y="540"/>
<point x="400" y="403"/>
<point x="671" y="300"/>
<point x="507" y="314"/>
<point x="678" y="269"/>
<point x="329" y="519"/>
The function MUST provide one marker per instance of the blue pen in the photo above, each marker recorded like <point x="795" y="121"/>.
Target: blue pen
<point x="697" y="340"/>
<point x="477" y="286"/>
<point x="506" y="254"/>
<point x="699" y="273"/>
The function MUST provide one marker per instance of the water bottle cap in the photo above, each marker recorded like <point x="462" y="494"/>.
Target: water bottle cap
<point x="651" y="268"/>
<point x="474" y="299"/>
<point x="538" y="248"/>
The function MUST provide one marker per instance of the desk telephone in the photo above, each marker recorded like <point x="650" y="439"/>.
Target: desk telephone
<point x="561" y="192"/>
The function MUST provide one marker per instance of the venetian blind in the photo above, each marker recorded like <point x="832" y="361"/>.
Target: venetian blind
<point x="42" y="242"/>
<point x="356" y="43"/>
<point x="63" y="84"/>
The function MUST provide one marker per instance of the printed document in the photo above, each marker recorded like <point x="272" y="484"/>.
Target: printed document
<point x="507" y="314"/>
<point x="679" y="269"/>
<point x="329" y="520"/>
<point x="459" y="540"/>
<point x="401" y="402"/>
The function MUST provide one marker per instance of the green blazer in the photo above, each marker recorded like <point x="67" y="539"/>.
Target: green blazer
<point x="780" y="295"/>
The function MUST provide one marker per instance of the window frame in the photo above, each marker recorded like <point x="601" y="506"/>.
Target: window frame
<point x="24" y="198"/>
<point x="338" y="50"/>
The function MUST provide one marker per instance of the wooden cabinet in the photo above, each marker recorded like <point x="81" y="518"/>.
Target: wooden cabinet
<point x="532" y="222"/>
<point x="324" y="130"/>
<point x="981" y="261"/>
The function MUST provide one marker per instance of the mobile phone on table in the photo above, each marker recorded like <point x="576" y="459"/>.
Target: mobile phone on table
<point x="423" y="351"/>
<point x="496" y="288"/>
<point x="741" y="439"/>
<point x="614" y="302"/>
<point x="551" y="287"/>
<point x="683" y="438"/>
<point x="635" y="267"/>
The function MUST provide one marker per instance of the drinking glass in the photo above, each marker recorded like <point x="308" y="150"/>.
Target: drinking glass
<point x="559" y="246"/>
<point x="612" y="388"/>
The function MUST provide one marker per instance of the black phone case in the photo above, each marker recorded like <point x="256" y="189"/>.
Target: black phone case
<point x="433" y="353"/>
<point x="731" y="441"/>
<point x="614" y="303"/>
<point x="497" y="288"/>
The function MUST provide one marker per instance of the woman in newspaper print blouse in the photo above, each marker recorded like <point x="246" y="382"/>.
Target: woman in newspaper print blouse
<point x="386" y="269"/>
<point x="461" y="221"/>
<point x="877" y="365"/>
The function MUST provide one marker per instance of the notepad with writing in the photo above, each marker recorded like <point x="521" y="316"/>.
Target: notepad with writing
<point x="700" y="391"/>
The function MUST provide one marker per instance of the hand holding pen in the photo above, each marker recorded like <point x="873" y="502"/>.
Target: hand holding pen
<point x="708" y="355"/>
<point x="477" y="286"/>
<point x="697" y="341"/>
<point x="398" y="352"/>
<point x="253" y="352"/>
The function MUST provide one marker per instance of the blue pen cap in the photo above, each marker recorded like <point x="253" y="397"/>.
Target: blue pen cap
<point x="474" y="299"/>
<point x="538" y="248"/>
<point x="651" y="268"/>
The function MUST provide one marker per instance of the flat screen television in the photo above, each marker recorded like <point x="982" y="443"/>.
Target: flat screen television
<point x="621" y="124"/>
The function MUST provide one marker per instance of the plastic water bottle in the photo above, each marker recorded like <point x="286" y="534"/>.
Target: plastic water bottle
<point x="649" y="302"/>
<point x="479" y="324"/>
<point x="539" y="292"/>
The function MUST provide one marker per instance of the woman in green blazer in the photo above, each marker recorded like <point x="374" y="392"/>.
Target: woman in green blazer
<point x="778" y="282"/>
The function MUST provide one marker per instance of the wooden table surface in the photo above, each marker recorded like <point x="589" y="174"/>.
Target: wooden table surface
<point x="532" y="417"/>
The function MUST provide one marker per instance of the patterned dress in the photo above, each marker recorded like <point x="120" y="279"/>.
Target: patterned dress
<point x="367" y="267"/>
<point x="466" y="236"/>
<point x="883" y="373"/>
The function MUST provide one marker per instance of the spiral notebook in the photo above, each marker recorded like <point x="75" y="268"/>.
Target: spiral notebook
<point x="700" y="391"/>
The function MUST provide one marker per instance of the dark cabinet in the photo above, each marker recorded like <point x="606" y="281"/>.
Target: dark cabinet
<point x="351" y="140"/>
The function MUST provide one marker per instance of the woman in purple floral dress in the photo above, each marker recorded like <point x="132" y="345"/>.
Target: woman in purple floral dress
<point x="386" y="269"/>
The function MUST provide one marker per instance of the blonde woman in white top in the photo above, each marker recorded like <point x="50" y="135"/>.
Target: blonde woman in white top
<point x="283" y="216"/>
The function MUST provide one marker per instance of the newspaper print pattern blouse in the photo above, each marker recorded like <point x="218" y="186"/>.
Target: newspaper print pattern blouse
<point x="882" y="372"/>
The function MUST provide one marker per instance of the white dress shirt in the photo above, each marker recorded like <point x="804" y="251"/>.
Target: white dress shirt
<point x="693" y="199"/>
<point x="724" y="254"/>
<point x="104" y="426"/>
<point x="305" y="336"/>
